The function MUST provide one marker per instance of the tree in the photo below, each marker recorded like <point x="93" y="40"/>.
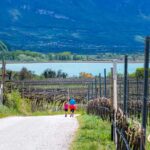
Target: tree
<point x="3" y="50"/>
<point x="48" y="73"/>
<point x="59" y="74"/>
<point x="9" y="74"/>
<point x="86" y="75"/>
<point x="64" y="75"/>
<point x="139" y="73"/>
<point x="50" y="56"/>
<point x="24" y="74"/>
<point x="77" y="57"/>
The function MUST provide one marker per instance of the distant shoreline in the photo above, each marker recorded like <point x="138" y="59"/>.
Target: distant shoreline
<point x="72" y="62"/>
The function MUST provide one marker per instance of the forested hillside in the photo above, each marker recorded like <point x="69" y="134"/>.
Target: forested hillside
<point x="79" y="26"/>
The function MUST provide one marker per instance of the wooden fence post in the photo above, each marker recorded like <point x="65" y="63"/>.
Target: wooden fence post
<point x="115" y="99"/>
<point x="125" y="104"/>
<point x="100" y="86"/>
<point x="112" y="119"/>
<point x="111" y="85"/>
<point x="95" y="87"/>
<point x="3" y="81"/>
<point x="105" y="78"/>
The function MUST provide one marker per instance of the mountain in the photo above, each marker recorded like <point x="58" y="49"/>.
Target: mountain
<point x="80" y="26"/>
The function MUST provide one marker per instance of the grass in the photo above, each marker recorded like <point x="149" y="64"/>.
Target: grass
<point x="93" y="133"/>
<point x="147" y="142"/>
<point x="5" y="112"/>
<point x="19" y="107"/>
<point x="16" y="106"/>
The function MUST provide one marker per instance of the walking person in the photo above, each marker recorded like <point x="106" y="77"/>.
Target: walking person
<point x="66" y="107"/>
<point x="72" y="106"/>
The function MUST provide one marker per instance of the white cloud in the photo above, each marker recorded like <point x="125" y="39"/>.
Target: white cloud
<point x="51" y="13"/>
<point x="45" y="12"/>
<point x="25" y="7"/>
<point x="15" y="14"/>
<point x="144" y="16"/>
<point x="139" y="38"/>
<point x="76" y="35"/>
<point x="57" y="16"/>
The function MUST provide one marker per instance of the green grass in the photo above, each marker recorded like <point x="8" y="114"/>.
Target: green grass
<point x="25" y="110"/>
<point x="5" y="112"/>
<point x="16" y="106"/>
<point x="93" y="134"/>
<point x="147" y="143"/>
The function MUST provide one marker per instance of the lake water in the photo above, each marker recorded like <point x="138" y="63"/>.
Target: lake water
<point x="73" y="69"/>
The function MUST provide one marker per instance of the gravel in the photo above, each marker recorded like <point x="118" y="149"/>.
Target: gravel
<point x="37" y="133"/>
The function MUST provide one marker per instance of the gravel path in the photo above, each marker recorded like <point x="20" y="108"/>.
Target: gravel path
<point x="37" y="133"/>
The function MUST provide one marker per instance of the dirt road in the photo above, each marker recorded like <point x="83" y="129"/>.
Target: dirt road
<point x="37" y="133"/>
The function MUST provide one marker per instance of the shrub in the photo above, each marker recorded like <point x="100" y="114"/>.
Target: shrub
<point x="14" y="101"/>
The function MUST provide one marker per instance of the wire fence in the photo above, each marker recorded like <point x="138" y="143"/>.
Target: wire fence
<point x="132" y="117"/>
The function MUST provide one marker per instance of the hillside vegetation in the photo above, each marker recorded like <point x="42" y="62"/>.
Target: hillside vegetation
<point x="30" y="56"/>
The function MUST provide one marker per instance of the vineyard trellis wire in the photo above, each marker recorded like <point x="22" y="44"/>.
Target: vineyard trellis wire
<point x="134" y="108"/>
<point x="43" y="92"/>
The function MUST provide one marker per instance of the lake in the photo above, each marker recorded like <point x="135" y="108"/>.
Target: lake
<point x="73" y="69"/>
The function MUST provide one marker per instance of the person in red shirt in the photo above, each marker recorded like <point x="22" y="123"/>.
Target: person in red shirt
<point x="72" y="106"/>
<point x="66" y="107"/>
<point x="72" y="109"/>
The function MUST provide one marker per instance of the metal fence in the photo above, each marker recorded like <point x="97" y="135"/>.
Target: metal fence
<point x="133" y="103"/>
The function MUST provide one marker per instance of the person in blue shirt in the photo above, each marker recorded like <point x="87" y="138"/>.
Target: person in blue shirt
<point x="72" y="101"/>
<point x="72" y="106"/>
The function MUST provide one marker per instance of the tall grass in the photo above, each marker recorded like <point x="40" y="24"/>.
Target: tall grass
<point x="93" y="134"/>
<point x="15" y="105"/>
<point x="5" y="111"/>
<point x="14" y="101"/>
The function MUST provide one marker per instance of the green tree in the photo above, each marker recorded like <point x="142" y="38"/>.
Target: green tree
<point x="24" y="74"/>
<point x="9" y="74"/>
<point x="3" y="50"/>
<point x="139" y="73"/>
<point x="48" y="73"/>
<point x="61" y="74"/>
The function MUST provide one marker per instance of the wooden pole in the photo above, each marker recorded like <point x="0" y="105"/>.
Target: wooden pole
<point x="115" y="98"/>
<point x="112" y="119"/>
<point x="68" y="94"/>
<point x="125" y="104"/>
<point x="100" y="87"/>
<point x="88" y="94"/>
<point x="105" y="83"/>
<point x="95" y="87"/>
<point x="92" y="90"/>
<point x="112" y="84"/>
<point x="3" y="81"/>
